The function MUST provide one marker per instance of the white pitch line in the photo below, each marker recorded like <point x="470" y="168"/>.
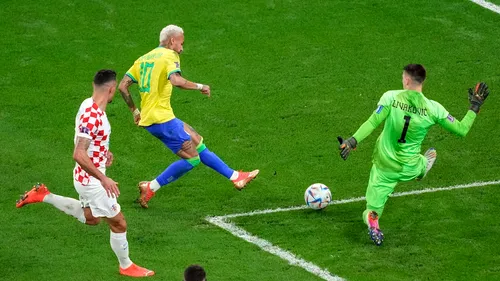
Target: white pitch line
<point x="224" y="223"/>
<point x="488" y="5"/>
<point x="275" y="250"/>
<point x="357" y="199"/>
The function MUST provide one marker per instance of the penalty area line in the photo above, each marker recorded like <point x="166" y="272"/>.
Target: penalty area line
<point x="224" y="223"/>
<point x="272" y="249"/>
<point x="357" y="199"/>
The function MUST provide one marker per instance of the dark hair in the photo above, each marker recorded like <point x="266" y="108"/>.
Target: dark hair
<point x="103" y="76"/>
<point x="194" y="273"/>
<point x="416" y="71"/>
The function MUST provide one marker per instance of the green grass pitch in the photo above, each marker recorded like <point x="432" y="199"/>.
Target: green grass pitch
<point x="287" y="77"/>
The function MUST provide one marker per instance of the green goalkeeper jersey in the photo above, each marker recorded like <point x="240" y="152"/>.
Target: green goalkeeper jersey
<point x="408" y="116"/>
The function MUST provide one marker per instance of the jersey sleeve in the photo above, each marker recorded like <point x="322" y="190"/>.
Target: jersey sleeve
<point x="460" y="128"/>
<point x="448" y="122"/>
<point x="378" y="116"/>
<point x="134" y="72"/>
<point x="173" y="63"/>
<point x="89" y="124"/>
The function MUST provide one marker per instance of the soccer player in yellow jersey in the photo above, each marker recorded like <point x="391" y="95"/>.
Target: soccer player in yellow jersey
<point x="156" y="73"/>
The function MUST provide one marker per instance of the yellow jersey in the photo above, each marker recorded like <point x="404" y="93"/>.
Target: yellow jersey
<point x="151" y="73"/>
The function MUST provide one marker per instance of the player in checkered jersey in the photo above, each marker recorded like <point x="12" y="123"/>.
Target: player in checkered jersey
<point x="97" y="192"/>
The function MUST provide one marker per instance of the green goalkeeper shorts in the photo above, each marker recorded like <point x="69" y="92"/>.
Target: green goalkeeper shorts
<point x="382" y="183"/>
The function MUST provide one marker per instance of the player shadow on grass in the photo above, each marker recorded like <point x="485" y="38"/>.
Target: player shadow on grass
<point x="343" y="221"/>
<point x="350" y="224"/>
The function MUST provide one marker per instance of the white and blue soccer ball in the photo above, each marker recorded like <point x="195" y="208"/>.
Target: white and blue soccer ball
<point x="318" y="196"/>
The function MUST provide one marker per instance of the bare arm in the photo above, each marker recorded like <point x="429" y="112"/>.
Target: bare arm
<point x="81" y="157"/>
<point x="109" y="159"/>
<point x="124" y="90"/>
<point x="123" y="87"/>
<point x="177" y="80"/>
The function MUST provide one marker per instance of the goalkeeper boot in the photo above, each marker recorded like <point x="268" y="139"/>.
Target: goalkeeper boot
<point x="35" y="195"/>
<point x="374" y="230"/>
<point x="145" y="193"/>
<point x="136" y="271"/>
<point x="430" y="155"/>
<point x="244" y="178"/>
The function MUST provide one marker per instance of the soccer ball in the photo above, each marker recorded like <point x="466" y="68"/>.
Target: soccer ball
<point x="318" y="196"/>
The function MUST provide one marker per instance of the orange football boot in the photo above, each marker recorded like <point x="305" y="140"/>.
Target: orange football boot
<point x="244" y="178"/>
<point x="35" y="195"/>
<point x="136" y="271"/>
<point x="145" y="193"/>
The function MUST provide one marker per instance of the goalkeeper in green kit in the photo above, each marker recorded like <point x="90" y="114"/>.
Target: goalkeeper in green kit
<point x="408" y="116"/>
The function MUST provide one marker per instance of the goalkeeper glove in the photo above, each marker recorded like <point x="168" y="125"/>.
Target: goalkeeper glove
<point x="346" y="146"/>
<point x="477" y="96"/>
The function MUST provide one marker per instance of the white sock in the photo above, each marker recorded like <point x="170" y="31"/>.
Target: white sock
<point x="234" y="176"/>
<point x="68" y="205"/>
<point x="154" y="185"/>
<point x="119" y="244"/>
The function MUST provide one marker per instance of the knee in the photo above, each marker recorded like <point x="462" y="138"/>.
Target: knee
<point x="89" y="218"/>
<point x="119" y="226"/>
<point x="197" y="140"/>
<point x="92" y="221"/>
<point x="200" y="147"/>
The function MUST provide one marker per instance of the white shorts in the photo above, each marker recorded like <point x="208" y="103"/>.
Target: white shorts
<point x="94" y="196"/>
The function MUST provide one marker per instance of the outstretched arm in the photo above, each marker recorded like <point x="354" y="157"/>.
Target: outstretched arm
<point x="177" y="80"/>
<point x="371" y="124"/>
<point x="124" y="90"/>
<point x="365" y="130"/>
<point x="477" y="96"/>
<point x="460" y="128"/>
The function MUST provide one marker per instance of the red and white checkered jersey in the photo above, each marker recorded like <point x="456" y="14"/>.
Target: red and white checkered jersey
<point x="92" y="123"/>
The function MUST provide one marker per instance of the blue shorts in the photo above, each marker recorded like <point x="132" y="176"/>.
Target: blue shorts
<point x="171" y="133"/>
